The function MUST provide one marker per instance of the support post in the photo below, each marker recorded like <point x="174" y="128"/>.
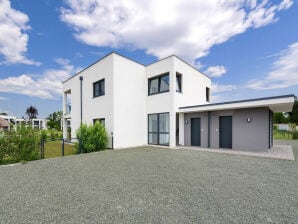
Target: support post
<point x="63" y="147"/>
<point x="112" y="140"/>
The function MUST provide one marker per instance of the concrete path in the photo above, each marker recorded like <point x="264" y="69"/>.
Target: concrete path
<point x="276" y="152"/>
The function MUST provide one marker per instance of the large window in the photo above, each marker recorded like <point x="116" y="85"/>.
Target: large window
<point x="159" y="84"/>
<point x="207" y="94"/>
<point x="158" y="129"/>
<point x="99" y="88"/>
<point x="178" y="82"/>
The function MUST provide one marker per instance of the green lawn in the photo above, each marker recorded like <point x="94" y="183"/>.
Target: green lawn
<point x="151" y="185"/>
<point x="54" y="149"/>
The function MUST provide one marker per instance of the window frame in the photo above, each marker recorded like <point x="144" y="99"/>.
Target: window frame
<point x="158" y="129"/>
<point x="101" y="120"/>
<point x="179" y="82"/>
<point x="102" y="93"/>
<point x="207" y="94"/>
<point x="158" y="77"/>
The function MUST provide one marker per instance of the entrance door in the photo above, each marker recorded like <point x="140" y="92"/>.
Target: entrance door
<point x="195" y="124"/>
<point x="225" y="132"/>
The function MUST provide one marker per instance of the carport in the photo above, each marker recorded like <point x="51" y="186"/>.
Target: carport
<point x="245" y="125"/>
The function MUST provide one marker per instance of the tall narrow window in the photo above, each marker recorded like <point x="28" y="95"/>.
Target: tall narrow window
<point x="159" y="129"/>
<point x="207" y="94"/>
<point x="99" y="88"/>
<point x="178" y="82"/>
<point x="158" y="84"/>
<point x="100" y="120"/>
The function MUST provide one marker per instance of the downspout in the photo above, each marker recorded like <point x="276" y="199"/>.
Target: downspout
<point x="81" y="96"/>
<point x="81" y="99"/>
<point x="209" y="126"/>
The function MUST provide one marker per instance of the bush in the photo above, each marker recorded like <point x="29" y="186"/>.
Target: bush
<point x="93" y="138"/>
<point x="295" y="135"/>
<point x="18" y="145"/>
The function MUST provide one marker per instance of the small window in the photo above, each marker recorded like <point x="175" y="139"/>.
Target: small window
<point x="178" y="82"/>
<point x="101" y="120"/>
<point x="159" y="84"/>
<point x="99" y="88"/>
<point x="207" y="94"/>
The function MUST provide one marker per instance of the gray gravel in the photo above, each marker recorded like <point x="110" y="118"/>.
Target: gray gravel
<point x="151" y="185"/>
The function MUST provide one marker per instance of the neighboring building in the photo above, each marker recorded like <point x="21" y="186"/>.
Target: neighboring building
<point x="285" y="127"/>
<point x="165" y="103"/>
<point x="4" y="124"/>
<point x="36" y="123"/>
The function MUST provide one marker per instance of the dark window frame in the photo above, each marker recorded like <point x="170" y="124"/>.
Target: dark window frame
<point x="179" y="77"/>
<point x="207" y="94"/>
<point x="101" y="92"/>
<point x="158" y="132"/>
<point x="101" y="120"/>
<point x="158" y="77"/>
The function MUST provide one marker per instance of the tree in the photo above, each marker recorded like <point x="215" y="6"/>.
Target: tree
<point x="293" y="116"/>
<point x="4" y="114"/>
<point x="279" y="118"/>
<point x="54" y="120"/>
<point x="32" y="112"/>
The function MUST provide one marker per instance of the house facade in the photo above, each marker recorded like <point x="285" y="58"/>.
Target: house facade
<point x="164" y="103"/>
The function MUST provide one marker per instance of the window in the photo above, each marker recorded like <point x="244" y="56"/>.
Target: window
<point x="178" y="82"/>
<point x="101" y="120"/>
<point x="158" y="129"/>
<point x="159" y="84"/>
<point x="99" y="88"/>
<point x="207" y="94"/>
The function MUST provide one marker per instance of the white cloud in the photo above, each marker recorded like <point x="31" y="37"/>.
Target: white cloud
<point x="48" y="85"/>
<point x="284" y="72"/>
<point x="13" y="37"/>
<point x="216" y="88"/>
<point x="186" y="28"/>
<point x="3" y="98"/>
<point x="215" y="71"/>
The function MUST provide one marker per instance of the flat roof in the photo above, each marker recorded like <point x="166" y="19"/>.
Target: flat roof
<point x="282" y="103"/>
<point x="114" y="52"/>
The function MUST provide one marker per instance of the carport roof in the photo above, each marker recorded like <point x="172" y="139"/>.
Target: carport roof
<point x="276" y="104"/>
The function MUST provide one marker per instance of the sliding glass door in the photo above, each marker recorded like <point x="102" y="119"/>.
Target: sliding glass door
<point x="159" y="129"/>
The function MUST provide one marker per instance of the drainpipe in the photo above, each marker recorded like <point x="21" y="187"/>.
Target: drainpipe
<point x="81" y="95"/>
<point x="209" y="126"/>
<point x="81" y="98"/>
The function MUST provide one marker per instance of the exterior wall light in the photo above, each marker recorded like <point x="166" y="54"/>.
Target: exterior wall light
<point x="186" y="121"/>
<point x="248" y="119"/>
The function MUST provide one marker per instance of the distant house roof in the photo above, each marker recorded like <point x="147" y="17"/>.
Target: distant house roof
<point x="4" y="123"/>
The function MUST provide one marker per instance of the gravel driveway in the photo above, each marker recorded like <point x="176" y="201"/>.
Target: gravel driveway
<point x="151" y="185"/>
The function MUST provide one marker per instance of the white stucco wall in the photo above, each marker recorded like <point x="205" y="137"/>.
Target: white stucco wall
<point x="97" y="107"/>
<point x="129" y="103"/>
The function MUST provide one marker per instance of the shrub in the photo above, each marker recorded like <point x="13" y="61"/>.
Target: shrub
<point x="295" y="135"/>
<point x="93" y="138"/>
<point x="20" y="144"/>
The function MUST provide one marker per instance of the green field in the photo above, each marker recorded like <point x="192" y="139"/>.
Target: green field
<point x="54" y="149"/>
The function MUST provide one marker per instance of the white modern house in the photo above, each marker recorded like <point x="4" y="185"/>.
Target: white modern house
<point x="36" y="123"/>
<point x="165" y="103"/>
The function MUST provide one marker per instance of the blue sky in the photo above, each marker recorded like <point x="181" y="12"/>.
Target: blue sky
<point x="248" y="47"/>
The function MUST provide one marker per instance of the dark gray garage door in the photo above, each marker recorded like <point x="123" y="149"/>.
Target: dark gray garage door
<point x="195" y="131"/>
<point x="225" y="132"/>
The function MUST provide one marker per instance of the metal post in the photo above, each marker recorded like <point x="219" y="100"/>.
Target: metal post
<point x="41" y="141"/>
<point x="112" y="140"/>
<point x="63" y="147"/>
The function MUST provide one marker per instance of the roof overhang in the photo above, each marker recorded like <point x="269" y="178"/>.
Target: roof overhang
<point x="276" y="104"/>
